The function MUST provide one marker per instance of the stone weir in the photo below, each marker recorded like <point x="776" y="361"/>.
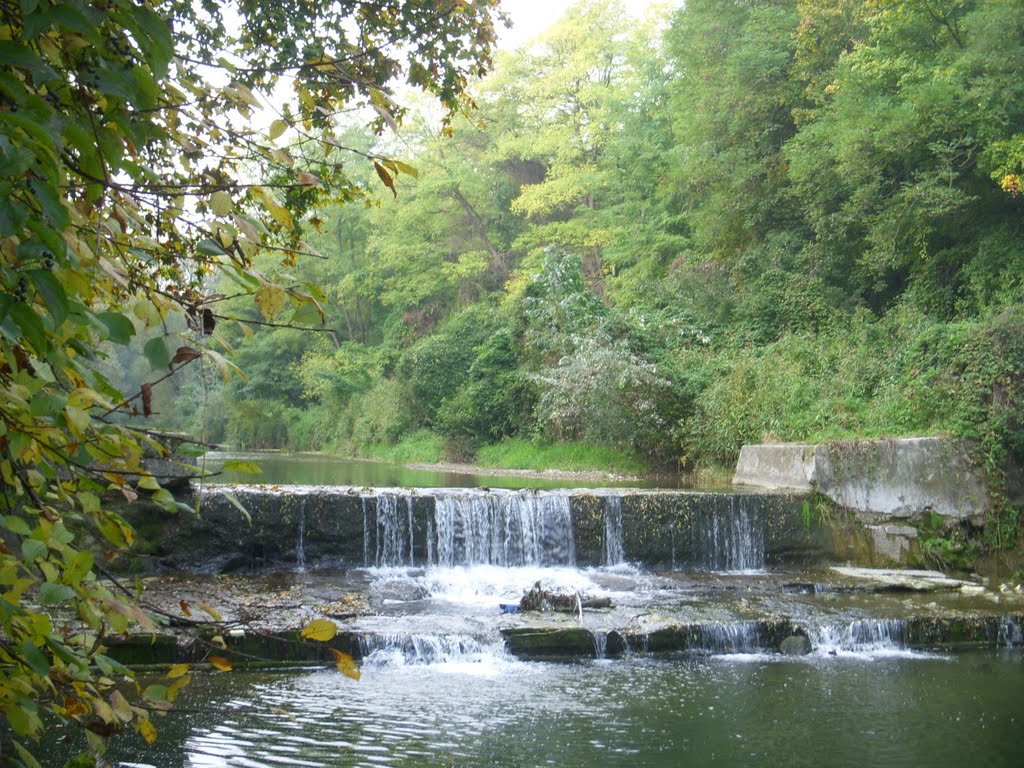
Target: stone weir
<point x="254" y="528"/>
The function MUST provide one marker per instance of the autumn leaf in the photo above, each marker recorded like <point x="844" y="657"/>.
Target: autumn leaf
<point x="178" y="670"/>
<point x="184" y="355"/>
<point x="213" y="613"/>
<point x="186" y="609"/>
<point x="346" y="664"/>
<point x="320" y="630"/>
<point x="147" y="731"/>
<point x="382" y="172"/>
<point x="219" y="662"/>
<point x="270" y="300"/>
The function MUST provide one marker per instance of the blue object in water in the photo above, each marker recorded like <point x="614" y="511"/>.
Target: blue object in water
<point x="509" y="607"/>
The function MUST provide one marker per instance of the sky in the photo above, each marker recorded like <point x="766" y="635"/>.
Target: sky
<point x="531" y="17"/>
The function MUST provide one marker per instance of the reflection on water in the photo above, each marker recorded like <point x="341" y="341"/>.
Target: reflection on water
<point x="315" y="469"/>
<point x="491" y="710"/>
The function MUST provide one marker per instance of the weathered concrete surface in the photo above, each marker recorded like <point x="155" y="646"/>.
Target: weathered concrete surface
<point x="897" y="478"/>
<point x="782" y="466"/>
<point x="339" y="527"/>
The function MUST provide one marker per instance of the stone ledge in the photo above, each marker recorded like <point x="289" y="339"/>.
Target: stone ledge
<point x="896" y="478"/>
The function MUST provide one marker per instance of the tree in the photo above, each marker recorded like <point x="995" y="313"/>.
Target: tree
<point x="130" y="177"/>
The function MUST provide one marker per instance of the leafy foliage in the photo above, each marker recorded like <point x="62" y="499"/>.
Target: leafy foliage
<point x="130" y="181"/>
<point x="790" y="220"/>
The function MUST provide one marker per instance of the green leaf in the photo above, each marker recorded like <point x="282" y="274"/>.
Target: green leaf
<point x="17" y="525"/>
<point x="238" y="505"/>
<point x="29" y="323"/>
<point x="51" y="202"/>
<point x="156" y="353"/>
<point x="119" y="328"/>
<point x="14" y="54"/>
<point x="32" y="550"/>
<point x="51" y="594"/>
<point x="160" y="50"/>
<point x="45" y="405"/>
<point x="156" y="692"/>
<point x="78" y="567"/>
<point x="307" y="315"/>
<point x="209" y="247"/>
<point x="52" y="292"/>
<point x="14" y="160"/>
<point x="35" y="658"/>
<point x="26" y="757"/>
<point x="166" y="499"/>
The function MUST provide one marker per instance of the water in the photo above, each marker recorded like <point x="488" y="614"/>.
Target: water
<point x="316" y="469"/>
<point x="479" y="709"/>
<point x="727" y="537"/>
<point x="614" y="541"/>
<point x="505" y="529"/>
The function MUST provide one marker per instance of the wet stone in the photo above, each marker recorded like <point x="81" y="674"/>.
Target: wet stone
<point x="795" y="645"/>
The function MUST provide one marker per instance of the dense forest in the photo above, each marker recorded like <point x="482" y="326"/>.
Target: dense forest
<point x="654" y="242"/>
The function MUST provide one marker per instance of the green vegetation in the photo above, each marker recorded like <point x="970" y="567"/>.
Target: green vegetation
<point x="515" y="453"/>
<point x="785" y="219"/>
<point x="142" y="215"/>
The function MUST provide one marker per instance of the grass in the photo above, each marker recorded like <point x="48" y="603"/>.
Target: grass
<point x="567" y="457"/>
<point x="420" y="447"/>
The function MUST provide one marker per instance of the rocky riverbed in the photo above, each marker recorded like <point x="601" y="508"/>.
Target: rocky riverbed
<point x="257" y="617"/>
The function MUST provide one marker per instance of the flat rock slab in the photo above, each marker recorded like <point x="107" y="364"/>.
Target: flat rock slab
<point x="888" y="579"/>
<point x="896" y="478"/>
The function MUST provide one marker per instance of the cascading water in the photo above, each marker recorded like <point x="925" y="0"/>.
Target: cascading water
<point x="862" y="635"/>
<point x="724" y="537"/>
<point x="732" y="637"/>
<point x="506" y="529"/>
<point x="415" y="648"/>
<point x="614" y="540"/>
<point x="394" y="529"/>
<point x="300" y="546"/>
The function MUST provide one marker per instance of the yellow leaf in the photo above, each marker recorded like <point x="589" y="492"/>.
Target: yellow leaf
<point x="321" y="630"/>
<point x="213" y="613"/>
<point x="147" y="730"/>
<point x="177" y="670"/>
<point x="219" y="662"/>
<point x="281" y="214"/>
<point x="221" y="203"/>
<point x="121" y="707"/>
<point x="176" y="686"/>
<point x="270" y="300"/>
<point x="407" y="169"/>
<point x="219" y="642"/>
<point x="277" y="128"/>
<point x="346" y="664"/>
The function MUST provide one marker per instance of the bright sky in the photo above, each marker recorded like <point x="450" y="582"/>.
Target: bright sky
<point x="531" y="17"/>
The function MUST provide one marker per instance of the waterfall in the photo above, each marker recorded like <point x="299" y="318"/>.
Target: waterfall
<point x="300" y="547"/>
<point x="1010" y="633"/>
<point x="401" y="649"/>
<point x="723" y="536"/>
<point x="732" y="637"/>
<point x="394" y="529"/>
<point x="505" y="529"/>
<point x="366" y="532"/>
<point x="860" y="635"/>
<point x="600" y="640"/>
<point x="614" y="543"/>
